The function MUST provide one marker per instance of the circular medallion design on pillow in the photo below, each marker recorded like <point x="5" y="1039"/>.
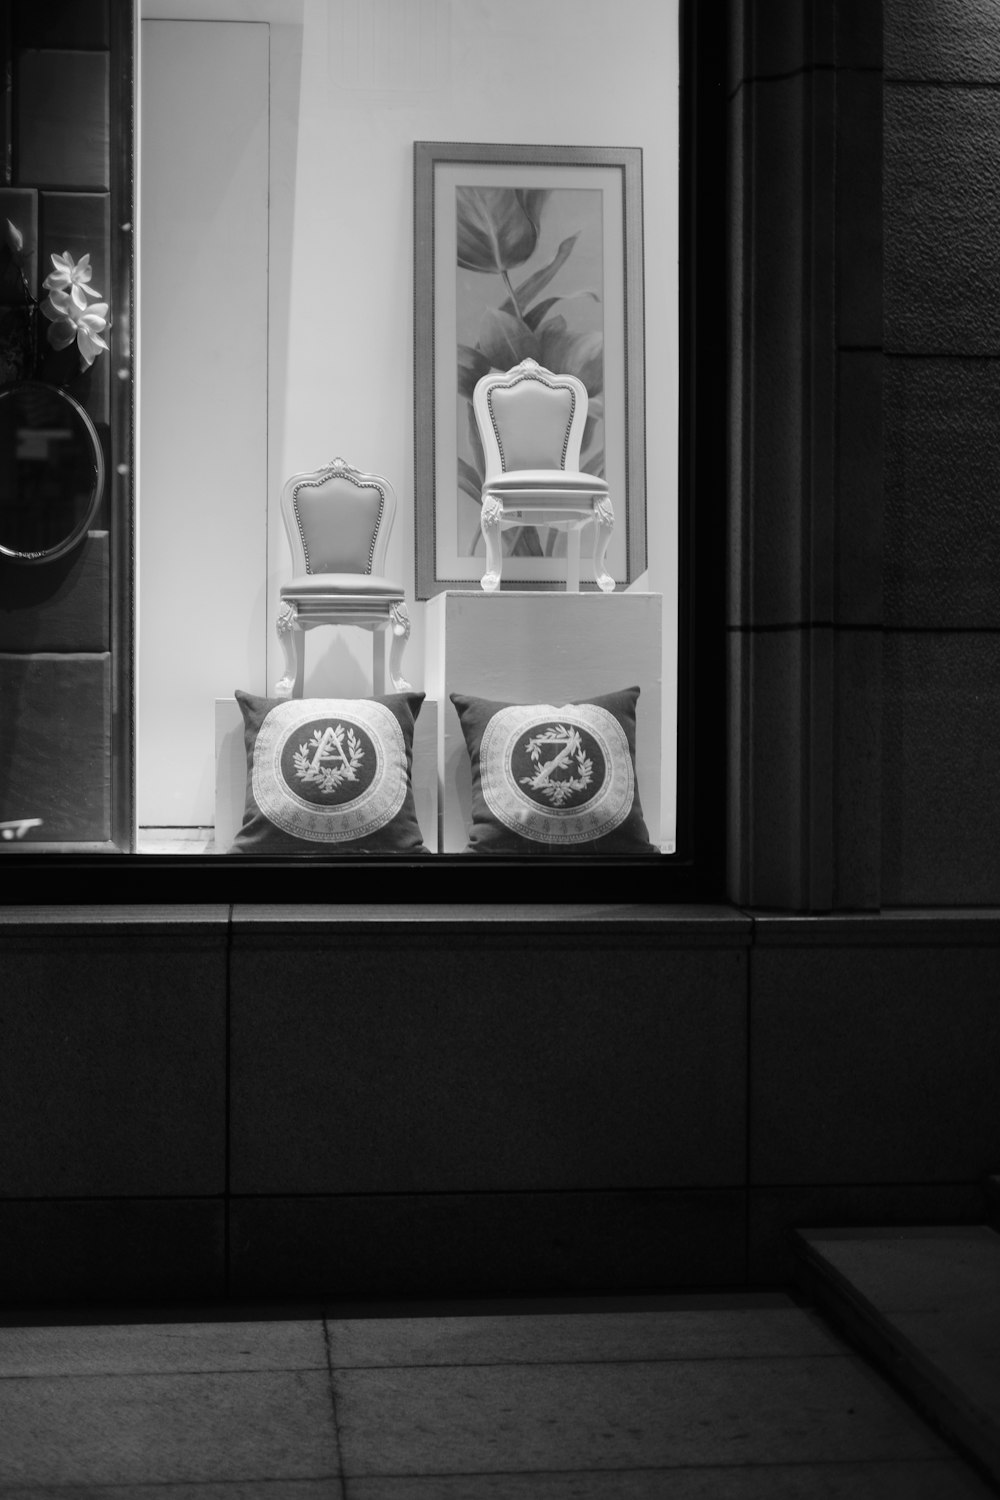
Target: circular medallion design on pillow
<point x="329" y="769"/>
<point x="557" y="775"/>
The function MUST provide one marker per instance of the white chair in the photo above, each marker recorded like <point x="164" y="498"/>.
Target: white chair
<point x="338" y="522"/>
<point x="531" y="425"/>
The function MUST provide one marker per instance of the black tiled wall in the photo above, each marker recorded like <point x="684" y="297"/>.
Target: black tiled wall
<point x="484" y="1073"/>
<point x="113" y="1108"/>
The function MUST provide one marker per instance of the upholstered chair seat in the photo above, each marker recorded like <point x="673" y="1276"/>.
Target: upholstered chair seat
<point x="549" y="483"/>
<point x="342" y="584"/>
<point x="338" y="522"/>
<point x="531" y="425"/>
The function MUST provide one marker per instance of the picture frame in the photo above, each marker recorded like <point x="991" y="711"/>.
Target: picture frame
<point x="525" y="251"/>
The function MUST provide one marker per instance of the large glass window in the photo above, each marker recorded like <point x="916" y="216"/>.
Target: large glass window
<point x="303" y="416"/>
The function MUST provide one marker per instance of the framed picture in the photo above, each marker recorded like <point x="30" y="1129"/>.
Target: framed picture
<point x="524" y="251"/>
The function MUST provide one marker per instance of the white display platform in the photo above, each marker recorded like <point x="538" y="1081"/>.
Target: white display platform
<point x="535" y="647"/>
<point x="231" y="772"/>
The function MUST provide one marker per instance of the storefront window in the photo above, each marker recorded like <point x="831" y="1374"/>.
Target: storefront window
<point x="331" y="617"/>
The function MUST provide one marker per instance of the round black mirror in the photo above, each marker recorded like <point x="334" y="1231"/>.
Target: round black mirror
<point x="51" y="472"/>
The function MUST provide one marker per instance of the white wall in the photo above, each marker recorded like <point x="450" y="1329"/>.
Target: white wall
<point x="353" y="83"/>
<point x="202" y="399"/>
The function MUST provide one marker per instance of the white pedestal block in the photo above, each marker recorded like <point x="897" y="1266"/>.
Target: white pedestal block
<point x="521" y="647"/>
<point x="231" y="772"/>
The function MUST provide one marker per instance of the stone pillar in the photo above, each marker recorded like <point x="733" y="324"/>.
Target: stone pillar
<point x="805" y="600"/>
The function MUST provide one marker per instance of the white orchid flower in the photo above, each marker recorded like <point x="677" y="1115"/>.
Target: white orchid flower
<point x="70" y="320"/>
<point x="72" y="277"/>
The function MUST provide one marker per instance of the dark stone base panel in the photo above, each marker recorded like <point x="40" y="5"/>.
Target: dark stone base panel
<point x="118" y="1251"/>
<point x="874" y="1064"/>
<point x="112" y="1064"/>
<point x="372" y="1064"/>
<point x="485" y="1244"/>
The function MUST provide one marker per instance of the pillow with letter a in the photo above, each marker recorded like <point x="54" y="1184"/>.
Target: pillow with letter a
<point x="554" y="778"/>
<point x="329" y="775"/>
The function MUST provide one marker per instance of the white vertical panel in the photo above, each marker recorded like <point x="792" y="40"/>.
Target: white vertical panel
<point x="203" y="399"/>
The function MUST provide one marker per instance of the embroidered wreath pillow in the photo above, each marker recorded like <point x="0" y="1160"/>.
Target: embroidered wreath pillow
<point x="329" y="775"/>
<point x="554" y="779"/>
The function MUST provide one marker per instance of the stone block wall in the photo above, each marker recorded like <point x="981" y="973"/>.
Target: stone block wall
<point x="941" y="745"/>
<point x="865" y="533"/>
<point x="805" y="593"/>
<point x="290" y="1104"/>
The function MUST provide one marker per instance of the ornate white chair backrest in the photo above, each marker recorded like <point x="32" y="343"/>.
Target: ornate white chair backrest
<point x="338" y="520"/>
<point x="529" y="418"/>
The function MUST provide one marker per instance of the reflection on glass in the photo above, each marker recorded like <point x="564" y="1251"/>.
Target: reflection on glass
<point x="51" y="472"/>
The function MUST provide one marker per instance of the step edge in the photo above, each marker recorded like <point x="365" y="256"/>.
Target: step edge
<point x="971" y="1428"/>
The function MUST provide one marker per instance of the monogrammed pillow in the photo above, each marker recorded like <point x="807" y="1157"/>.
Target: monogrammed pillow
<point x="329" y="775"/>
<point x="554" y="778"/>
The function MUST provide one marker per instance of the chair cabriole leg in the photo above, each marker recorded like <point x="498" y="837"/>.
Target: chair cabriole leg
<point x="290" y="640"/>
<point x="400" y="627"/>
<point x="490" y="520"/>
<point x="604" y="521"/>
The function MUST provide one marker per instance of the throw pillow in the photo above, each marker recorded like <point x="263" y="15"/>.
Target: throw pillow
<point x="554" y="779"/>
<point x="329" y="775"/>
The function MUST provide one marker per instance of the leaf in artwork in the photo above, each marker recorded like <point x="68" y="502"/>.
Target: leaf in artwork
<point x="579" y="354"/>
<point x="475" y="441"/>
<point x="539" y="280"/>
<point x="552" y="336"/>
<point x="472" y="366"/>
<point x="497" y="228"/>
<point x="504" y="340"/>
<point x="469" y="481"/>
<point x="535" y="315"/>
<point x="533" y="200"/>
